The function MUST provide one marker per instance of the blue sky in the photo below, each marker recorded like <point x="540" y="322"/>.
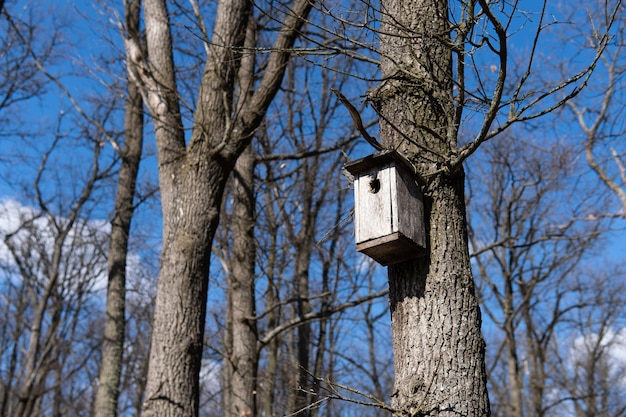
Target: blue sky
<point x="88" y="30"/>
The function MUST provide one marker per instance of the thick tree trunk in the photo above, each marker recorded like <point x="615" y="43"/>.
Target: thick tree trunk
<point x="192" y="179"/>
<point x="438" y="346"/>
<point x="176" y="352"/>
<point x="115" y="321"/>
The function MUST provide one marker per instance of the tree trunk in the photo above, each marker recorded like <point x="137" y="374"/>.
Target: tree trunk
<point x="303" y="333"/>
<point x="438" y="346"/>
<point x="303" y="243"/>
<point x="269" y="373"/>
<point x="514" y="374"/>
<point x="115" y="321"/>
<point x="192" y="179"/>
<point x="192" y="182"/>
<point x="241" y="365"/>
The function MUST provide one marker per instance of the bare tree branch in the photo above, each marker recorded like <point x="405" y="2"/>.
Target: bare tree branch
<point x="299" y="320"/>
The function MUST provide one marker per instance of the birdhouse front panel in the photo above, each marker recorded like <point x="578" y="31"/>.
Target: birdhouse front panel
<point x="389" y="213"/>
<point x="375" y="211"/>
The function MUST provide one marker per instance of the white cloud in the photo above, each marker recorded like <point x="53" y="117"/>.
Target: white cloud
<point x="33" y="236"/>
<point x="12" y="215"/>
<point x="613" y="345"/>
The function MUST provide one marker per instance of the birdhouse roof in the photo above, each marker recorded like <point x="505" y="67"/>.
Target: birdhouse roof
<point x="378" y="159"/>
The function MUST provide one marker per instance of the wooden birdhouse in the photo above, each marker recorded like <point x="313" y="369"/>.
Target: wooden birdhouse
<point x="388" y="208"/>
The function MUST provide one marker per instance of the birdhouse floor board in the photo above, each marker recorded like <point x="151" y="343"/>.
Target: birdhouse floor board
<point x="390" y="249"/>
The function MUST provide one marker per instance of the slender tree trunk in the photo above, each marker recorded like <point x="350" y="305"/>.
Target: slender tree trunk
<point x="513" y="370"/>
<point x="12" y="364"/>
<point x="303" y="245"/>
<point x="242" y="364"/>
<point x="438" y="346"/>
<point x="41" y="344"/>
<point x="270" y="372"/>
<point x="115" y="320"/>
<point x="323" y="357"/>
<point x="268" y="379"/>
<point x="303" y="335"/>
<point x="537" y="351"/>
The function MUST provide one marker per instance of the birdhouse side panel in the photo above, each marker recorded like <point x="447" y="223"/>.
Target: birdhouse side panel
<point x="411" y="208"/>
<point x="395" y="205"/>
<point x="373" y="208"/>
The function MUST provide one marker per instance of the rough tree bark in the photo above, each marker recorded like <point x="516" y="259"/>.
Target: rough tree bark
<point x="192" y="179"/>
<point x="438" y="346"/>
<point x="115" y="321"/>
<point x="241" y="364"/>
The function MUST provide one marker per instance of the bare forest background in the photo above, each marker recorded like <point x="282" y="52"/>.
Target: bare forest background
<point x="295" y="317"/>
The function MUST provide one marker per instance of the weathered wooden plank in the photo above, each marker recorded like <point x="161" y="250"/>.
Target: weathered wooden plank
<point x="374" y="214"/>
<point x="391" y="249"/>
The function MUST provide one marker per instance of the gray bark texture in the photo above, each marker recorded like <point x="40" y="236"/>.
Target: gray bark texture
<point x="241" y="343"/>
<point x="115" y="321"/>
<point x="438" y="346"/>
<point x="192" y="179"/>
